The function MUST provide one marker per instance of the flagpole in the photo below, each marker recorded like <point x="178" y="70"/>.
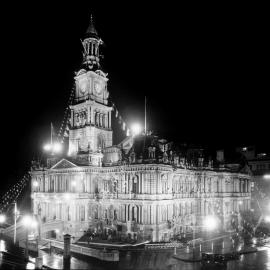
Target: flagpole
<point x="51" y="133"/>
<point x="145" y="115"/>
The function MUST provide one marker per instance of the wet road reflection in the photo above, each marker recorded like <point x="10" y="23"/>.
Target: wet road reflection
<point x="147" y="260"/>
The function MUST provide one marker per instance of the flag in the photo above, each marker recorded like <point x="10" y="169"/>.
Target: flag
<point x="124" y="125"/>
<point x="116" y="113"/>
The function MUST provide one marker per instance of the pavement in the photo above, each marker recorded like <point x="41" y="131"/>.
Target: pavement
<point x="218" y="246"/>
<point x="110" y="245"/>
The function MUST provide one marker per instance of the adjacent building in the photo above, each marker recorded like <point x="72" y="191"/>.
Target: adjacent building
<point x="259" y="164"/>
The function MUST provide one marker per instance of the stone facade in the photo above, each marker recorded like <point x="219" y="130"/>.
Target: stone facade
<point x="146" y="191"/>
<point x="154" y="201"/>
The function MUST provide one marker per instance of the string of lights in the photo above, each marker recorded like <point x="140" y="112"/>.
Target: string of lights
<point x="260" y="192"/>
<point x="121" y="121"/>
<point x="13" y="193"/>
<point x="248" y="226"/>
<point x="63" y="130"/>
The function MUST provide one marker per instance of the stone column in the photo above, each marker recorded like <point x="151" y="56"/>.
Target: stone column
<point x="88" y="115"/>
<point x="72" y="118"/>
<point x="66" y="256"/>
<point x="127" y="213"/>
<point x="109" y="119"/>
<point x="100" y="120"/>
<point x="154" y="212"/>
<point x="92" y="116"/>
<point x="142" y="176"/>
<point x="106" y="120"/>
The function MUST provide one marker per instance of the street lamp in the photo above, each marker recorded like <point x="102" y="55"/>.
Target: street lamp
<point x="3" y="219"/>
<point x="35" y="184"/>
<point x="210" y="223"/>
<point x="53" y="147"/>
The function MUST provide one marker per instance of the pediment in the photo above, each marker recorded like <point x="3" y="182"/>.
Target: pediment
<point x="64" y="164"/>
<point x="246" y="170"/>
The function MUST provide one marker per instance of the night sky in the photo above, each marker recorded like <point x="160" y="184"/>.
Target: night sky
<point x="205" y="72"/>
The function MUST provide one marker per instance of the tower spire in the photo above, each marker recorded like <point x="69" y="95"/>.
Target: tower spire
<point x="91" y="30"/>
<point x="91" y="44"/>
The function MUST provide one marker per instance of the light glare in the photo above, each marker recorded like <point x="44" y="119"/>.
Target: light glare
<point x="136" y="129"/>
<point x="67" y="196"/>
<point x="35" y="184"/>
<point x="266" y="176"/>
<point x="34" y="224"/>
<point x="73" y="183"/>
<point x="267" y="219"/>
<point x="47" y="147"/>
<point x="27" y="220"/>
<point x="57" y="147"/>
<point x="2" y="218"/>
<point x="210" y="223"/>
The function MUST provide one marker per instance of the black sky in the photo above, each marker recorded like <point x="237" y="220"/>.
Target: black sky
<point x="204" y="70"/>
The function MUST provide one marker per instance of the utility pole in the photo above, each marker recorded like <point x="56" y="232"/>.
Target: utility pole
<point x="51" y="133"/>
<point x="15" y="222"/>
<point x="194" y="242"/>
<point x="26" y="244"/>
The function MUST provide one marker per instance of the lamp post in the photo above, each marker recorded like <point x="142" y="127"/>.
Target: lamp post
<point x="3" y="220"/>
<point x="28" y="222"/>
<point x="15" y="222"/>
<point x="209" y="223"/>
<point x="194" y="235"/>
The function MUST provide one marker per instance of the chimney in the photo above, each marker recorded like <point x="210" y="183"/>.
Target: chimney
<point x="220" y="156"/>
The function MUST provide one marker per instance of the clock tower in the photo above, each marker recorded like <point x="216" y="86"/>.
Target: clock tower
<point x="90" y="123"/>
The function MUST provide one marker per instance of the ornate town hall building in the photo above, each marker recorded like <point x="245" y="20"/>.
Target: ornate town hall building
<point x="143" y="187"/>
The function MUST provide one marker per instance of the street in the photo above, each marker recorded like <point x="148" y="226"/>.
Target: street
<point x="158" y="259"/>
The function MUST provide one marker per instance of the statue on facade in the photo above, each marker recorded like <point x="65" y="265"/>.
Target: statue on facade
<point x="165" y="157"/>
<point x="132" y="156"/>
<point x="151" y="152"/>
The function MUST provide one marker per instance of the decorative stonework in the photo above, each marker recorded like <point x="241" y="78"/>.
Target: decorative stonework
<point x="63" y="164"/>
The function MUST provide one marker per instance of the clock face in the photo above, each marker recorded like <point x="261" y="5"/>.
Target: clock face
<point x="98" y="87"/>
<point x="83" y="86"/>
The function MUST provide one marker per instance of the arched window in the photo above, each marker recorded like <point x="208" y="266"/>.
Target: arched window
<point x="96" y="119"/>
<point x="68" y="213"/>
<point x="135" y="213"/>
<point x="103" y="121"/>
<point x="100" y="120"/>
<point x="96" y="212"/>
<point x="100" y="142"/>
<point x="135" y="184"/>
